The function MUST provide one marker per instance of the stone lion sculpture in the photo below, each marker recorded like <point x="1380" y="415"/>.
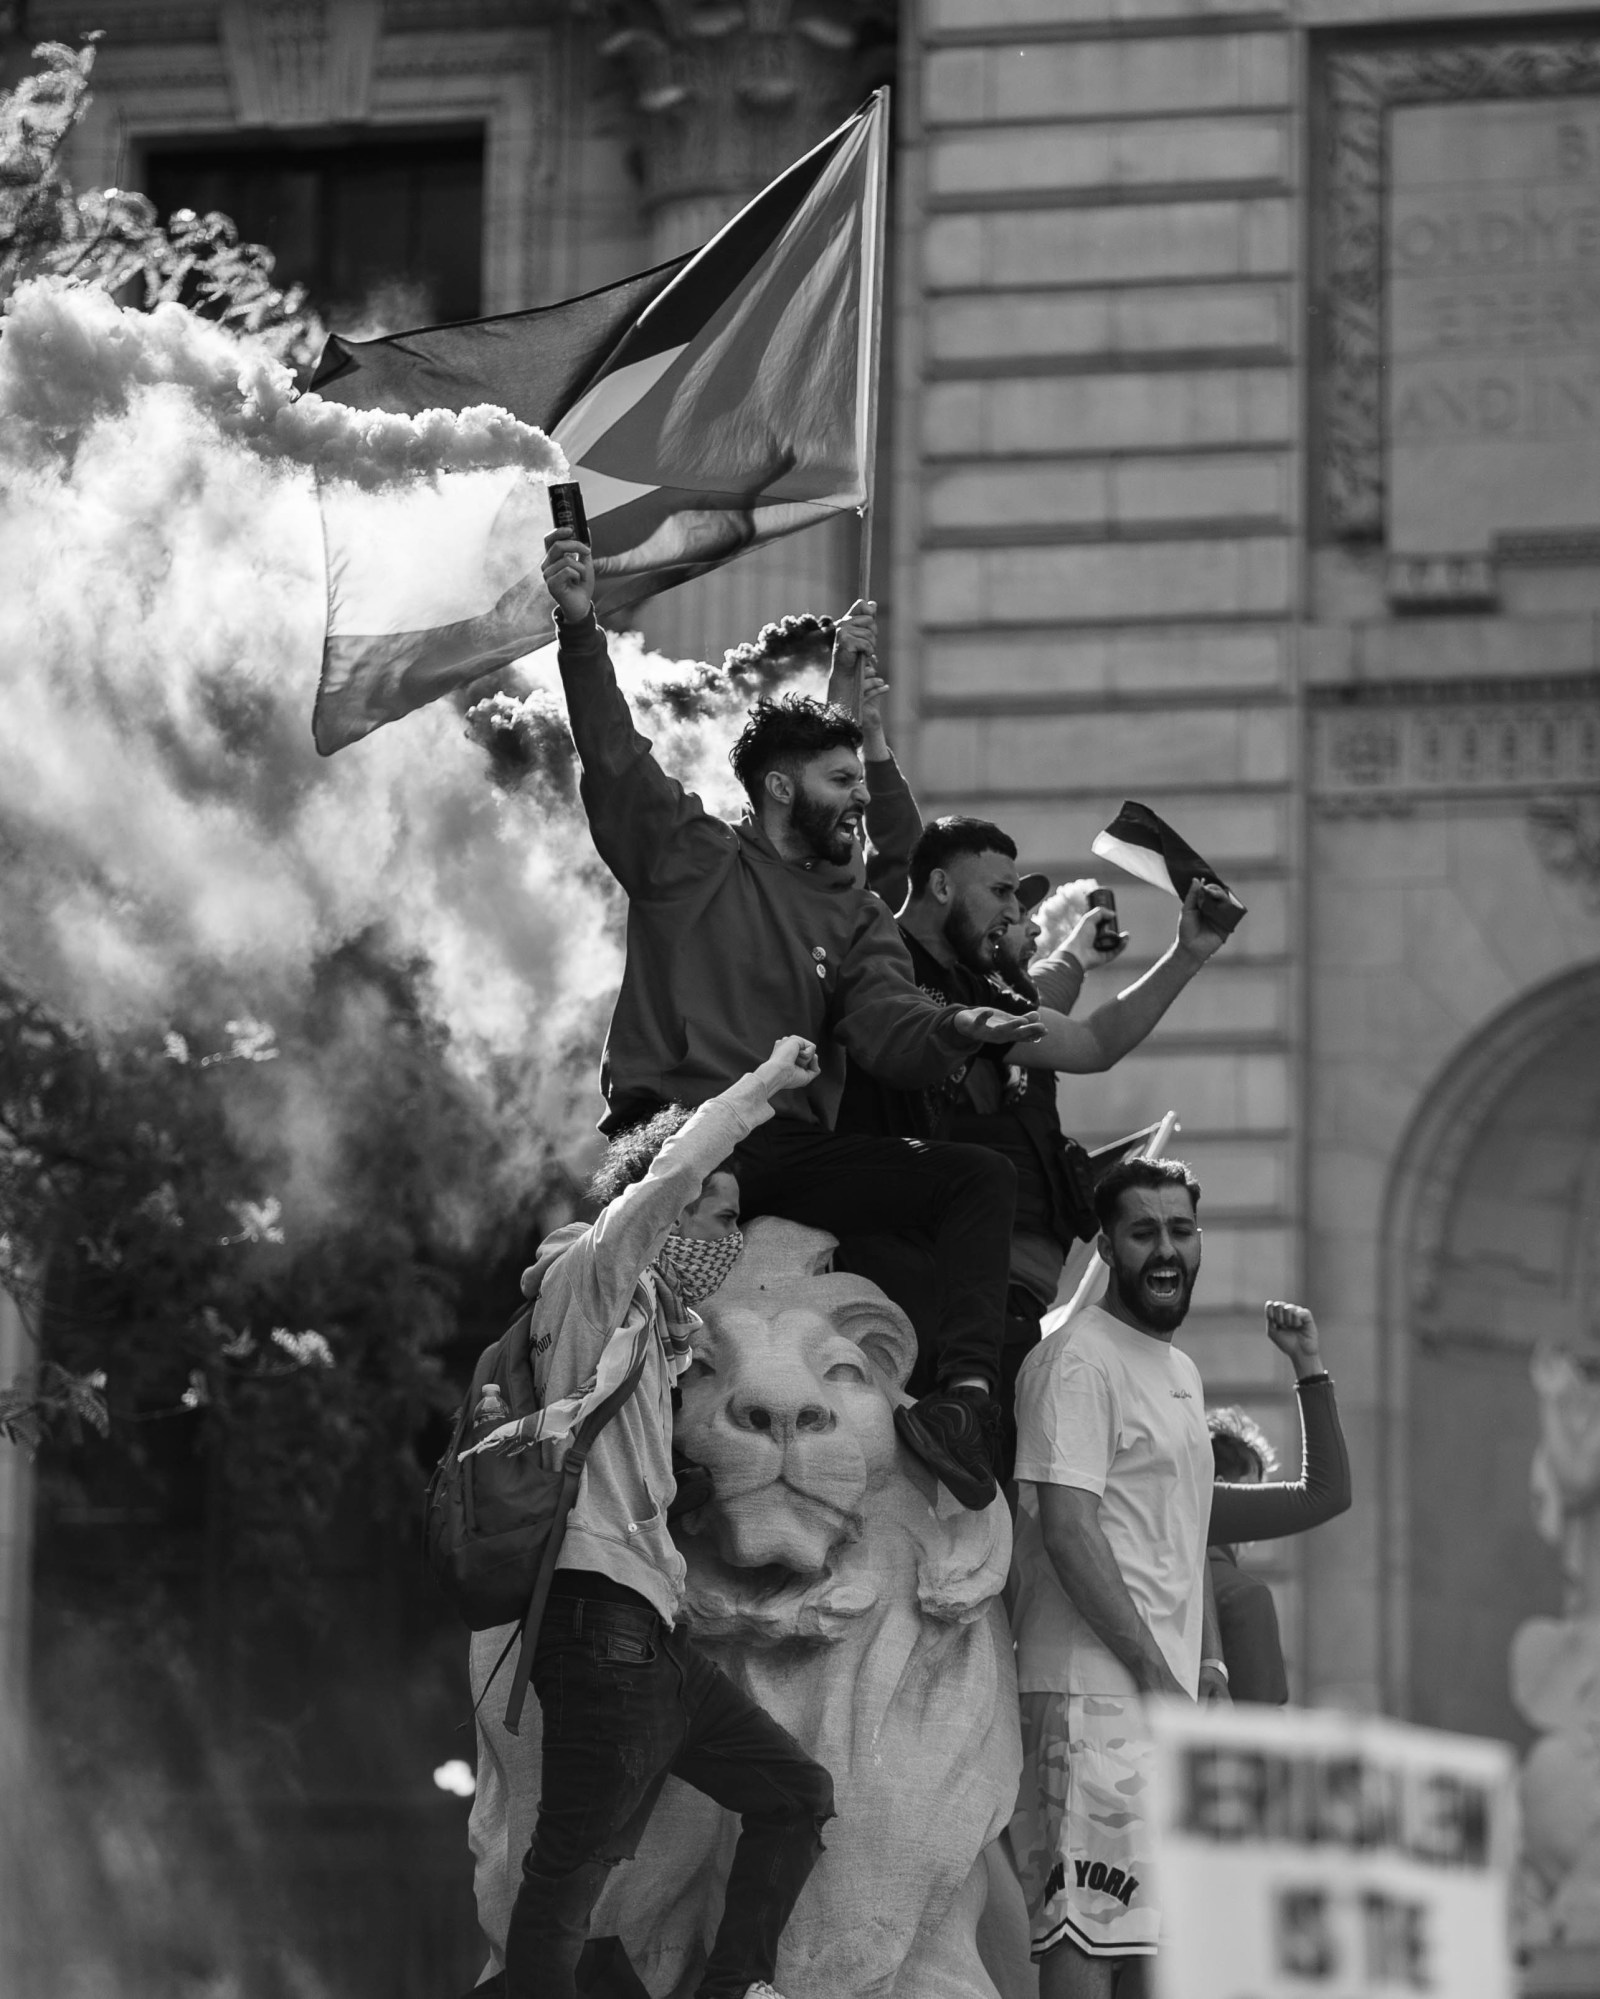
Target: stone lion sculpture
<point x="860" y="1605"/>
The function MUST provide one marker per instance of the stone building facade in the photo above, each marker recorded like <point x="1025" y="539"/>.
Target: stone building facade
<point x="1240" y="442"/>
<point x="1247" y="419"/>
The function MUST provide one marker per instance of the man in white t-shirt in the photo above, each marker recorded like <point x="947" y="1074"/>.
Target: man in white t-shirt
<point x="1114" y="1476"/>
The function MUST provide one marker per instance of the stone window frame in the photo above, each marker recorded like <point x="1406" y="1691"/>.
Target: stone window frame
<point x="1358" y="84"/>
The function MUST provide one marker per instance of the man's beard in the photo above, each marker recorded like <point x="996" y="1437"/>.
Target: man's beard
<point x="1015" y="974"/>
<point x="974" y="948"/>
<point x="1160" y="1314"/>
<point x="818" y="825"/>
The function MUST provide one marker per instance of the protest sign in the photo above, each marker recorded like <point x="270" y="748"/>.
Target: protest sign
<point x="1307" y="1855"/>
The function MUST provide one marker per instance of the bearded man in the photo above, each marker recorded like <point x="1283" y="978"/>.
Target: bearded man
<point x="1114" y="1481"/>
<point x="965" y="905"/>
<point x="740" y="933"/>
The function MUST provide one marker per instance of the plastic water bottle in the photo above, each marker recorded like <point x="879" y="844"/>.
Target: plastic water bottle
<point x="491" y="1412"/>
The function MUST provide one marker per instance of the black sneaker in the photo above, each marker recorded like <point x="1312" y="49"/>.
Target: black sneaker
<point x="956" y="1433"/>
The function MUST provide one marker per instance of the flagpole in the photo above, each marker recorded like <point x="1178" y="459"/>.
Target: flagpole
<point x="874" y="230"/>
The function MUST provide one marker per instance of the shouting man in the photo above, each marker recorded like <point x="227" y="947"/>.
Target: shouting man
<point x="1114" y="1479"/>
<point x="965" y="902"/>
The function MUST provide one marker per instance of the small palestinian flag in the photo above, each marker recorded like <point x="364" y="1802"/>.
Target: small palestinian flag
<point x="1147" y="847"/>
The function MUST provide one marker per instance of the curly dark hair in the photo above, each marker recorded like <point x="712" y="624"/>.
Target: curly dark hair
<point x="1141" y="1173"/>
<point x="632" y="1153"/>
<point x="778" y="650"/>
<point x="788" y="732"/>
<point x="1239" y="1445"/>
<point x="939" y="843"/>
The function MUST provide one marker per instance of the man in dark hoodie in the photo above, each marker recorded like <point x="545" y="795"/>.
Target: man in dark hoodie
<point x="737" y="933"/>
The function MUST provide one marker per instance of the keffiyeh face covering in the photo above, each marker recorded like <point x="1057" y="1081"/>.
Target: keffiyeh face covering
<point x="696" y="1268"/>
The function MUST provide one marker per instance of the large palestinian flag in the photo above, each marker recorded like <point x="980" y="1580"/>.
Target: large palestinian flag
<point x="706" y="406"/>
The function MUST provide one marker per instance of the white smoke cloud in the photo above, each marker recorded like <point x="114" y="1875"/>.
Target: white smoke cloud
<point x="169" y="838"/>
<point x="72" y="357"/>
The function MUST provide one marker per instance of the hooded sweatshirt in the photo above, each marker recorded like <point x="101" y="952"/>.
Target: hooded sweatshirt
<point x="595" y="1281"/>
<point x="730" y="945"/>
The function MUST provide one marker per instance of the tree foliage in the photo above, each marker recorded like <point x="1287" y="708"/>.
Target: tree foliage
<point x="164" y="1238"/>
<point x="182" y="1269"/>
<point x="111" y="238"/>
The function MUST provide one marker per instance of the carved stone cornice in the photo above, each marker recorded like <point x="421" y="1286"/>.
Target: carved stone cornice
<point x="122" y="22"/>
<point x="1361" y="86"/>
<point x="733" y="93"/>
<point x="1388" y="748"/>
<point x="480" y="50"/>
<point x="158" y="67"/>
<point x="445" y="16"/>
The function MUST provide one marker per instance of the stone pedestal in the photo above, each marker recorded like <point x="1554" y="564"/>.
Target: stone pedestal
<point x="859" y="1605"/>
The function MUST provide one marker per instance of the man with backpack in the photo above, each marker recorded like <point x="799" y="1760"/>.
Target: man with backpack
<point x="627" y="1698"/>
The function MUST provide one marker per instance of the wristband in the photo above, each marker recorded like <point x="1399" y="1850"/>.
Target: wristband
<point x="1216" y="1666"/>
<point x="1310" y="1380"/>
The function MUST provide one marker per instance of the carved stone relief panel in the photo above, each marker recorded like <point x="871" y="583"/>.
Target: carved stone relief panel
<point x="1492" y="292"/>
<point x="1462" y="244"/>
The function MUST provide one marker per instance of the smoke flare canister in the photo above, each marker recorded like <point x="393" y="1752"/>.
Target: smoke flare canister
<point x="566" y="510"/>
<point x="1106" y="933"/>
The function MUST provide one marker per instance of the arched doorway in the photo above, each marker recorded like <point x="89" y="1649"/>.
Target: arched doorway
<point x="1492" y="1246"/>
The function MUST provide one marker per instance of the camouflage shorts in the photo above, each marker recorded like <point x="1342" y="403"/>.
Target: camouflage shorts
<point x="1079" y="1830"/>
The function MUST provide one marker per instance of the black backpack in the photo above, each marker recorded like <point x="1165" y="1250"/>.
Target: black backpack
<point x="494" y="1523"/>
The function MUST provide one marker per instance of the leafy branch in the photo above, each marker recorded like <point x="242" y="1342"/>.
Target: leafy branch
<point x="50" y="1401"/>
<point x="112" y="239"/>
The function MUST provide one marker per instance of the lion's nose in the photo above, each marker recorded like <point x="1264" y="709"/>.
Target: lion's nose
<point x="750" y="1413"/>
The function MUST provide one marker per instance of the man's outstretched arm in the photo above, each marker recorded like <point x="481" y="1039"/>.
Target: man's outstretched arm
<point x="654" y="836"/>
<point x="1322" y="1491"/>
<point x="888" y="1025"/>
<point x="1084" y="1047"/>
<point x="607" y="1263"/>
<point x="893" y="822"/>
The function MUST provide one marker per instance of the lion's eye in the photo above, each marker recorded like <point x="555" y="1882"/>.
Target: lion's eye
<point x="846" y="1370"/>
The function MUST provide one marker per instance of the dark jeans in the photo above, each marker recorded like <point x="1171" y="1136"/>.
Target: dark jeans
<point x="958" y="1198"/>
<point x="626" y="1702"/>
